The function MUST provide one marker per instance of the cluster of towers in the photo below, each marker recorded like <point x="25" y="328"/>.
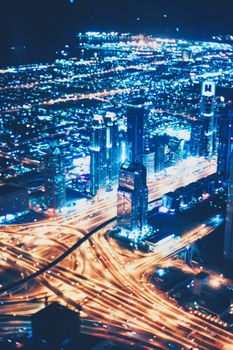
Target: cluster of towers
<point x="104" y="165"/>
<point x="105" y="169"/>
<point x="203" y="143"/>
<point x="105" y="153"/>
<point x="132" y="196"/>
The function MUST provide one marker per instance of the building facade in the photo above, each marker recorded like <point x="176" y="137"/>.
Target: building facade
<point x="225" y="168"/>
<point x="228" y="238"/>
<point x="208" y="118"/>
<point x="98" y="151"/>
<point x="54" y="178"/>
<point x="132" y="199"/>
<point x="135" y="126"/>
<point x="197" y="147"/>
<point x="149" y="163"/>
<point x="112" y="148"/>
<point x="225" y="143"/>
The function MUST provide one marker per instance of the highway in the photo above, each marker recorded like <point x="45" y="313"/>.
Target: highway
<point x="109" y="282"/>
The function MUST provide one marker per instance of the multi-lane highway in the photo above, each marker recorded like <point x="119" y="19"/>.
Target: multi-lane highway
<point x="110" y="283"/>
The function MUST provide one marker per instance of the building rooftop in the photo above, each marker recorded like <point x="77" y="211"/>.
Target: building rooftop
<point x="202" y="275"/>
<point x="55" y="323"/>
<point x="137" y="102"/>
<point x="9" y="188"/>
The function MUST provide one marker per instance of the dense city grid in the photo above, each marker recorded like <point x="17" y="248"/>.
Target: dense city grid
<point x="103" y="145"/>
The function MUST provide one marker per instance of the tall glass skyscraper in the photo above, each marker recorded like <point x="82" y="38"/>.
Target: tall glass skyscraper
<point x="54" y="177"/>
<point x="228" y="239"/>
<point x="208" y="118"/>
<point x="98" y="166"/>
<point x="197" y="147"/>
<point x="225" y="167"/>
<point x="132" y="200"/>
<point x="225" y="143"/>
<point x="132" y="203"/>
<point x="113" y="148"/>
<point x="135" y="125"/>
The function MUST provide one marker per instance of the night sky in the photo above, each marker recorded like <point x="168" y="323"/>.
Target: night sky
<point x="46" y="25"/>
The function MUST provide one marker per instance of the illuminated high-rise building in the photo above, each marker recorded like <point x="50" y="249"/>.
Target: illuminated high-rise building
<point x="54" y="177"/>
<point x="208" y="132"/>
<point x="149" y="163"/>
<point x="123" y="151"/>
<point x="225" y="168"/>
<point x="225" y="143"/>
<point x="113" y="148"/>
<point x="159" y="158"/>
<point x="197" y="138"/>
<point x="207" y="98"/>
<point x="228" y="238"/>
<point x="157" y="145"/>
<point x="132" y="200"/>
<point x="98" y="164"/>
<point x="135" y="125"/>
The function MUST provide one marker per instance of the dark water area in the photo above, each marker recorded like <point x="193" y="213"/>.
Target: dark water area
<point x="44" y="26"/>
<point x="20" y="55"/>
<point x="47" y="48"/>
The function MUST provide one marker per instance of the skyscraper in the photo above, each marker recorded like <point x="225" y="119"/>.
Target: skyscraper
<point x="228" y="238"/>
<point x="149" y="163"/>
<point x="225" y="168"/>
<point x="225" y="143"/>
<point x="135" y="125"/>
<point x="207" y="98"/>
<point x="132" y="200"/>
<point x="54" y="177"/>
<point x="197" y="138"/>
<point x="113" y="148"/>
<point x="98" y="166"/>
<point x="208" y="118"/>
<point x="159" y="158"/>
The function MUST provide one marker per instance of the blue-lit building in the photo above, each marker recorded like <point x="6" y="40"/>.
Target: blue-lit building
<point x="197" y="139"/>
<point x="135" y="126"/>
<point x="225" y="143"/>
<point x="112" y="148"/>
<point x="159" y="157"/>
<point x="186" y="197"/>
<point x="225" y="167"/>
<point x="208" y="133"/>
<point x="54" y="177"/>
<point x="149" y="163"/>
<point x="98" y="151"/>
<point x="228" y="239"/>
<point x="203" y="130"/>
<point x="132" y="200"/>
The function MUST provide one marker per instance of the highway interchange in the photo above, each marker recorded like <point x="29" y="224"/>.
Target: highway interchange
<point x="110" y="283"/>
